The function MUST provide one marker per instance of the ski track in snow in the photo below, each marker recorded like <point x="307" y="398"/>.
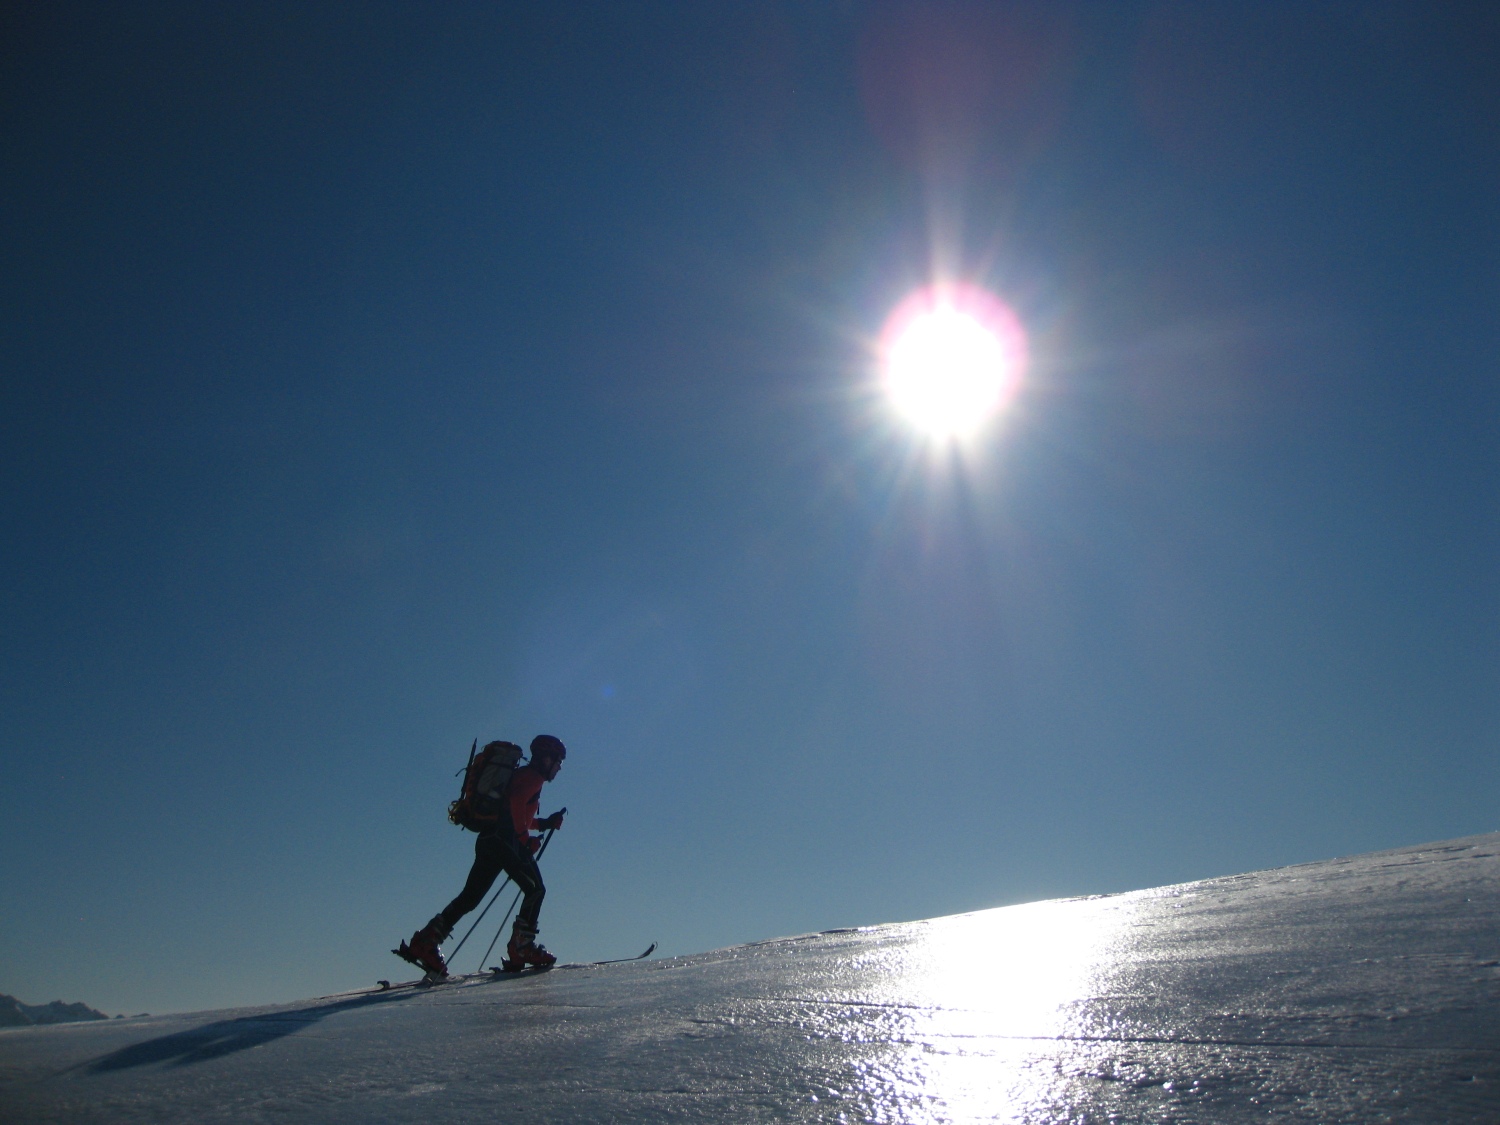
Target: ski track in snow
<point x="1355" y="990"/>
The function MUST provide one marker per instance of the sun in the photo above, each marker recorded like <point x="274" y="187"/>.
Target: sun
<point x="950" y="359"/>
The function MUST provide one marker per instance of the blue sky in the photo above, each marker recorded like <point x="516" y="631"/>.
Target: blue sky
<point x="377" y="378"/>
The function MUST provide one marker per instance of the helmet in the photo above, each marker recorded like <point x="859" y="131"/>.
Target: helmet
<point x="546" y="746"/>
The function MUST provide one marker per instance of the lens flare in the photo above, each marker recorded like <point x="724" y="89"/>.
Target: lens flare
<point x="951" y="358"/>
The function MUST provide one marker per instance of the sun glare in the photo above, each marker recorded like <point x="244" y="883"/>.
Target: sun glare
<point x="951" y="359"/>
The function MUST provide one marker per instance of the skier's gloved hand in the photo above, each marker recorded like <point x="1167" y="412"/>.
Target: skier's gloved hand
<point x="552" y="822"/>
<point x="533" y="843"/>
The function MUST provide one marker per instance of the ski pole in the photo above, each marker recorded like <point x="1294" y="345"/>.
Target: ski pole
<point x="496" y="895"/>
<point x="482" y="913"/>
<point x="498" y="932"/>
<point x="512" y="907"/>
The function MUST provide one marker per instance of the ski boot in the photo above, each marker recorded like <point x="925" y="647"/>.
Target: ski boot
<point x="423" y="952"/>
<point x="523" y="951"/>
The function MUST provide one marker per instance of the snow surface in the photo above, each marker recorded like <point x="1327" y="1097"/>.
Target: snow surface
<point x="1354" y="990"/>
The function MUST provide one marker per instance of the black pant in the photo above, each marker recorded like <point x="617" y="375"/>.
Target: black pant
<point x="495" y="852"/>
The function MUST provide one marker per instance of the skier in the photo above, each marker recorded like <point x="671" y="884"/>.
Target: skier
<point x="508" y="847"/>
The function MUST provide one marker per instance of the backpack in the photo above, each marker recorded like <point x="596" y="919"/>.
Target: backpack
<point x="485" y="778"/>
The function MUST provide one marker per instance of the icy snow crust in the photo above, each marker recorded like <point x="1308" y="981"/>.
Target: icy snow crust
<point x="1355" y="990"/>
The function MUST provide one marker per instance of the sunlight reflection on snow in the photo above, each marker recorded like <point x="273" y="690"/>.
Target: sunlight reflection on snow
<point x="986" y="997"/>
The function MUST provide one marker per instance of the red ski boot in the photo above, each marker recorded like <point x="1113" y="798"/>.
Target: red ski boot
<point x="523" y="951"/>
<point x="423" y="952"/>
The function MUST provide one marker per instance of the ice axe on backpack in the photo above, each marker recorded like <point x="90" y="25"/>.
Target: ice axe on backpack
<point x="486" y="775"/>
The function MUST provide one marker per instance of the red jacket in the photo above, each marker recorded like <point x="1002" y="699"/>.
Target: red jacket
<point x="525" y="791"/>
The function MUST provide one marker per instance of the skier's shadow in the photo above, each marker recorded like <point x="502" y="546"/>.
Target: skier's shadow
<point x="224" y="1037"/>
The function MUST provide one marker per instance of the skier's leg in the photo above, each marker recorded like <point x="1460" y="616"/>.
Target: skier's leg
<point x="523" y="949"/>
<point x="424" y="947"/>
<point x="528" y="877"/>
<point x="489" y="861"/>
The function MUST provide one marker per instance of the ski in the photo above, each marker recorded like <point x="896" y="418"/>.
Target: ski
<point x="502" y="973"/>
<point x="650" y="949"/>
<point x="421" y="982"/>
<point x="498" y="973"/>
<point x="428" y="978"/>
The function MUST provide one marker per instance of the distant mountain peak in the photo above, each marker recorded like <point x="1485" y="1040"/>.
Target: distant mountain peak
<point x="13" y="1013"/>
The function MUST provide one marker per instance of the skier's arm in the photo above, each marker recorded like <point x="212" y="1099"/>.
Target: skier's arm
<point x="524" y="790"/>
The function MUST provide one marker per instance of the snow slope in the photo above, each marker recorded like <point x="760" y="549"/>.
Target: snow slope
<point x="1353" y="990"/>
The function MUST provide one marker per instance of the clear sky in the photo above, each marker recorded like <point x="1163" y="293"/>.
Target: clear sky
<point x="380" y="376"/>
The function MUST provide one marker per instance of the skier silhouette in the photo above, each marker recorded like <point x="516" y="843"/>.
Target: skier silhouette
<point x="510" y="847"/>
